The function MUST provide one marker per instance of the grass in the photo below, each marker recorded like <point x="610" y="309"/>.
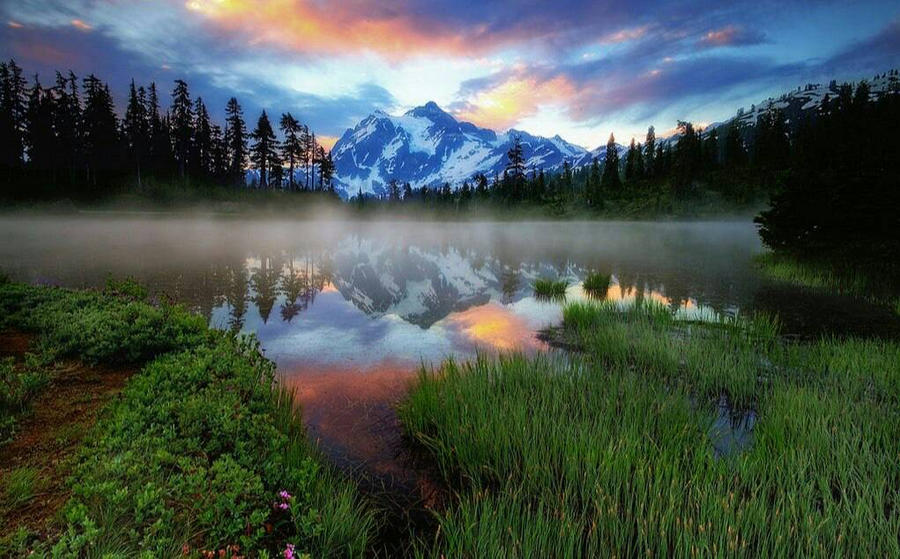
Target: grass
<point x="549" y="288"/>
<point x="19" y="384"/>
<point x="18" y="487"/>
<point x="596" y="284"/>
<point x="194" y="455"/>
<point x="837" y="276"/>
<point x="609" y="451"/>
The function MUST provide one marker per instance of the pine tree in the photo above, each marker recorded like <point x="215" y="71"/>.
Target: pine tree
<point x="162" y="161"/>
<point x="630" y="162"/>
<point x="650" y="152"/>
<point x="201" y="146"/>
<point x="735" y="155"/>
<point x="12" y="117"/>
<point x="135" y="127"/>
<point x="236" y="141"/>
<point x="67" y="124"/>
<point x="264" y="151"/>
<point x="39" y="138"/>
<point x="407" y="191"/>
<point x="291" y="148"/>
<point x="514" y="174"/>
<point x="610" y="181"/>
<point x="100" y="136"/>
<point x="393" y="190"/>
<point x="182" y="123"/>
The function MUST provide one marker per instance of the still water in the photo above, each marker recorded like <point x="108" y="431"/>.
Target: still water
<point x="350" y="310"/>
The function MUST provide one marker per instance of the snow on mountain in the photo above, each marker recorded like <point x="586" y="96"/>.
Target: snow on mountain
<point x="428" y="147"/>
<point x="804" y="99"/>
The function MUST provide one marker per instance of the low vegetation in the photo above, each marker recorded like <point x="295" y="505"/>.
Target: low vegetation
<point x="615" y="448"/>
<point x="876" y="282"/>
<point x="550" y="288"/>
<point x="202" y="453"/>
<point x="596" y="284"/>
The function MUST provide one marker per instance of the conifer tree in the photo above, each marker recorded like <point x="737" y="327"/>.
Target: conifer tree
<point x="236" y="141"/>
<point x="650" y="152"/>
<point x="100" y="137"/>
<point x="630" y="162"/>
<point x="264" y="151"/>
<point x="135" y="127"/>
<point x="610" y="181"/>
<point x="39" y="138"/>
<point x="291" y="148"/>
<point x="514" y="174"/>
<point x="201" y="146"/>
<point x="12" y="117"/>
<point x="67" y="124"/>
<point x="182" y="123"/>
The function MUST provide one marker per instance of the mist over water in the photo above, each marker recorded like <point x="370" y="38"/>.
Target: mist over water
<point x="333" y="292"/>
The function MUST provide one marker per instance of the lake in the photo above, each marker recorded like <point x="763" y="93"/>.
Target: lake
<point x="350" y="310"/>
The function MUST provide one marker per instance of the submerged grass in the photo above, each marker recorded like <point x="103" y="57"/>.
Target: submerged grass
<point x="609" y="452"/>
<point x="550" y="288"/>
<point x="596" y="284"/>
<point x="875" y="284"/>
<point x="202" y="452"/>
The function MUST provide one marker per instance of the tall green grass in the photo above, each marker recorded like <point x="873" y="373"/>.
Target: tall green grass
<point x="609" y="452"/>
<point x="549" y="288"/>
<point x="596" y="284"/>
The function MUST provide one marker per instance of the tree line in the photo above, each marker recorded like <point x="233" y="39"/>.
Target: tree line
<point x="67" y="140"/>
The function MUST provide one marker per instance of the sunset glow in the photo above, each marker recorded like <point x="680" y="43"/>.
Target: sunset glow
<point x="579" y="70"/>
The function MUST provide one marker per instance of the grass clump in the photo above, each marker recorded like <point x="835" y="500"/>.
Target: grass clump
<point x="610" y="452"/>
<point x="550" y="288"/>
<point x="877" y="283"/>
<point x="18" y="486"/>
<point x="596" y="284"/>
<point x="19" y="384"/>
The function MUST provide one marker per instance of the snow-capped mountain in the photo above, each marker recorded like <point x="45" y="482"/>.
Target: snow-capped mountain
<point x="428" y="147"/>
<point x="808" y="98"/>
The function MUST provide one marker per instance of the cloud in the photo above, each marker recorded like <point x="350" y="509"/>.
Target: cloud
<point x="873" y="54"/>
<point x="503" y="101"/>
<point x="80" y="25"/>
<point x="731" y="36"/>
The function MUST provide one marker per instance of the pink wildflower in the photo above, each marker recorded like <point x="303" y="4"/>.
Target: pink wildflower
<point x="284" y="495"/>
<point x="289" y="552"/>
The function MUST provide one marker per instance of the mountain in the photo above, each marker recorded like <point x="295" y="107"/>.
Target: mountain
<point x="428" y="147"/>
<point x="803" y="100"/>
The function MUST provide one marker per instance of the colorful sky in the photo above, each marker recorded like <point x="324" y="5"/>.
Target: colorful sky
<point x="581" y="69"/>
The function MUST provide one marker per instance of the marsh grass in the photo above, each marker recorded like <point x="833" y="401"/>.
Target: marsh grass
<point x="876" y="284"/>
<point x="596" y="284"/>
<point x="610" y="452"/>
<point x="19" y="385"/>
<point x="550" y="288"/>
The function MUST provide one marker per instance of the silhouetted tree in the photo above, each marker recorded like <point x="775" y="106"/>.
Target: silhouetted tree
<point x="264" y="152"/>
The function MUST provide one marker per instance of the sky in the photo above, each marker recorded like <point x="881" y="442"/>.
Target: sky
<point x="580" y="69"/>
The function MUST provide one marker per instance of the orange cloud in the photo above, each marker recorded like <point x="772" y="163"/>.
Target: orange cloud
<point x="78" y="24"/>
<point x="327" y="142"/>
<point x="506" y="103"/>
<point x="309" y="26"/>
<point x="15" y="24"/>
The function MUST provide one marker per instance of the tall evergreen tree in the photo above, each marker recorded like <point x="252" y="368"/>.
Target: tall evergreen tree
<point x="12" y="118"/>
<point x="236" y="140"/>
<point x="650" y="152"/>
<point x="611" y="182"/>
<point x="40" y="139"/>
<point x="291" y="148"/>
<point x="515" y="170"/>
<point x="100" y="133"/>
<point x="135" y="128"/>
<point x="67" y="124"/>
<point x="162" y="161"/>
<point x="201" y="145"/>
<point x="182" y="124"/>
<point x="264" y="151"/>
